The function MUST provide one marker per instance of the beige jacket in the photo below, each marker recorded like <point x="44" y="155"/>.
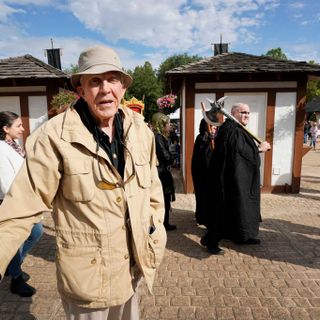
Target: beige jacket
<point x="100" y="234"/>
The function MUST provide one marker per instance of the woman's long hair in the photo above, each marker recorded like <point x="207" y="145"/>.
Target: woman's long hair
<point x="7" y="118"/>
<point x="159" y="121"/>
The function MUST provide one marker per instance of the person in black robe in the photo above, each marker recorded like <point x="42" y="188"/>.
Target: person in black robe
<point x="161" y="128"/>
<point x="201" y="156"/>
<point x="235" y="173"/>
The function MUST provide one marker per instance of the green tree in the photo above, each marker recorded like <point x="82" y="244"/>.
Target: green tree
<point x="145" y="87"/>
<point x="174" y="61"/>
<point x="74" y="68"/>
<point x="313" y="89"/>
<point x="276" y="54"/>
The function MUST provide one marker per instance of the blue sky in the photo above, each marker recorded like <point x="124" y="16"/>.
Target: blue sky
<point x="152" y="30"/>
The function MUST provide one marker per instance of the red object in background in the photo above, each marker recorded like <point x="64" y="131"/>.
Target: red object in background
<point x="134" y="104"/>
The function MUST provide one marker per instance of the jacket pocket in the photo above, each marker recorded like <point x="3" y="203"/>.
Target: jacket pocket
<point x="143" y="170"/>
<point x="78" y="184"/>
<point x="156" y="245"/>
<point x="79" y="272"/>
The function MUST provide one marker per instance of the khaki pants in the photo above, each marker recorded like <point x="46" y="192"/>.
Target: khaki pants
<point x="127" y="311"/>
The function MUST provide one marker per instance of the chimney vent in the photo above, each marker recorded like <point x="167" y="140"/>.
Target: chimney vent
<point x="54" y="56"/>
<point x="220" y="48"/>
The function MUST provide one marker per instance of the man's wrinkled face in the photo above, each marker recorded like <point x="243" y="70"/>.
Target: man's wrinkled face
<point x="103" y="93"/>
<point x="242" y="114"/>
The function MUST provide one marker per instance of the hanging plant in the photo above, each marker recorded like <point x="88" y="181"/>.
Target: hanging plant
<point x="167" y="103"/>
<point x="62" y="100"/>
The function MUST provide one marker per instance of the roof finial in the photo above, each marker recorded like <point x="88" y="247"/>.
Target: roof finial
<point x="219" y="48"/>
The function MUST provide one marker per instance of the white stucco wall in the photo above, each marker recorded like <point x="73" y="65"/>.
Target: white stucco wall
<point x="11" y="103"/>
<point x="38" y="112"/>
<point x="283" y="141"/>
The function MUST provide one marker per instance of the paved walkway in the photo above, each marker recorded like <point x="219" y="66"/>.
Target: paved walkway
<point x="280" y="279"/>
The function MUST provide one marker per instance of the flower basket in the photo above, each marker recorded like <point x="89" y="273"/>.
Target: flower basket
<point x="166" y="103"/>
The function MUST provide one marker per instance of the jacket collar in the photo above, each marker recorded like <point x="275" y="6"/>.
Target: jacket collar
<point x="74" y="131"/>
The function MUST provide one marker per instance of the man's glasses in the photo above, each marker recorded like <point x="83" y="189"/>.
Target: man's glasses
<point x="245" y="112"/>
<point x="104" y="184"/>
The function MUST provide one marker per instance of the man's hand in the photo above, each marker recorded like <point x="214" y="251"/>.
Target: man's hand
<point x="264" y="146"/>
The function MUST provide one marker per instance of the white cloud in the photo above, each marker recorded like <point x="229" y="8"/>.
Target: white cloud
<point x="71" y="48"/>
<point x="297" y="5"/>
<point x="33" y="2"/>
<point x="7" y="7"/>
<point x="172" y="24"/>
<point x="6" y="11"/>
<point x="304" y="52"/>
<point x="164" y="27"/>
<point x="36" y="47"/>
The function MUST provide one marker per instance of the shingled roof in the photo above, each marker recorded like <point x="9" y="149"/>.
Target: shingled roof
<point x="235" y="62"/>
<point x="28" y="66"/>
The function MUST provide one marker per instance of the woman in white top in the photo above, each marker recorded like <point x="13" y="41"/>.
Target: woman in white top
<point x="11" y="159"/>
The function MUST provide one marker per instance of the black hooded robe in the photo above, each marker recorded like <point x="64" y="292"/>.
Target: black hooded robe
<point x="236" y="185"/>
<point x="201" y="157"/>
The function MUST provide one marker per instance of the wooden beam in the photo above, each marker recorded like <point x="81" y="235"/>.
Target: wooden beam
<point x="298" y="145"/>
<point x="51" y="91"/>
<point x="189" y="134"/>
<point x="277" y="189"/>
<point x="24" y="109"/>
<point x="271" y="102"/>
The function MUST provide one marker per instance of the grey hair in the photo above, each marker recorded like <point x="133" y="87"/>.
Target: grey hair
<point x="236" y="106"/>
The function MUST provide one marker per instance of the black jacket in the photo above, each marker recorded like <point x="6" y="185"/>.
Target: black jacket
<point x="165" y="159"/>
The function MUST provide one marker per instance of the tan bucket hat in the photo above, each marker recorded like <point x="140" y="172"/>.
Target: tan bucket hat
<point x="97" y="60"/>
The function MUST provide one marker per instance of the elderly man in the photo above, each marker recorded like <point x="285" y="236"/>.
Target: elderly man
<point x="236" y="183"/>
<point x="94" y="166"/>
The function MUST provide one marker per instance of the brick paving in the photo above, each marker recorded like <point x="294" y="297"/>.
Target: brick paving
<point x="279" y="279"/>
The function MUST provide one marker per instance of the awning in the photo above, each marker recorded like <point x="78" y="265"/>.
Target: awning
<point x="175" y="115"/>
<point x="313" y="106"/>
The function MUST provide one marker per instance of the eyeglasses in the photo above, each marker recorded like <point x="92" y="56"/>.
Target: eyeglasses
<point x="104" y="184"/>
<point x="245" y="112"/>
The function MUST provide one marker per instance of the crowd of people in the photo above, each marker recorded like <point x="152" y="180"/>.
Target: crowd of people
<point x="106" y="179"/>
